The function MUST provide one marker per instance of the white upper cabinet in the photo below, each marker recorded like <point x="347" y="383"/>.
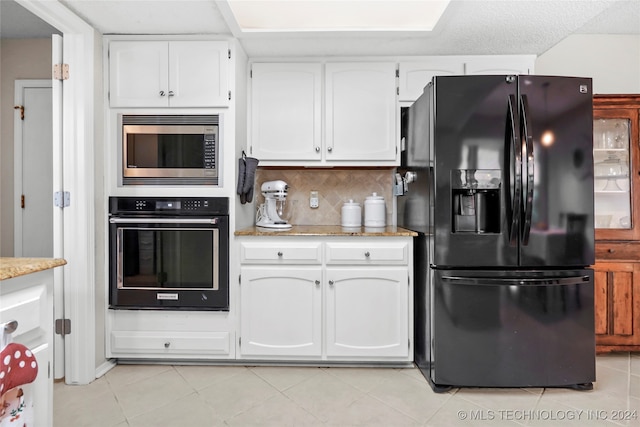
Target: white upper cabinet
<point x="286" y="114"/>
<point x="415" y="74"/>
<point x="360" y="112"/>
<point x="190" y="73"/>
<point x="500" y="65"/>
<point x="344" y="116"/>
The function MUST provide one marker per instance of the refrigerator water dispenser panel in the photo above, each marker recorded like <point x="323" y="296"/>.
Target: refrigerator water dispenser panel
<point x="475" y="194"/>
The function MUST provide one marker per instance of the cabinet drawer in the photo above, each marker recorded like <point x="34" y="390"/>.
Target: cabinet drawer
<point x="367" y="252"/>
<point x="617" y="251"/>
<point x="158" y="343"/>
<point x="282" y="253"/>
<point x="29" y="308"/>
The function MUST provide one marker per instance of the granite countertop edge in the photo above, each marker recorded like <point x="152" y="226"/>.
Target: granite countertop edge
<point x="14" y="267"/>
<point x="327" y="230"/>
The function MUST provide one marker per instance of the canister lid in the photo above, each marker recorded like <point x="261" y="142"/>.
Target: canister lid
<point x="374" y="196"/>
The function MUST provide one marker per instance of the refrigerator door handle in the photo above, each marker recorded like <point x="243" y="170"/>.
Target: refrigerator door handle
<point x="529" y="162"/>
<point x="518" y="281"/>
<point x="514" y="160"/>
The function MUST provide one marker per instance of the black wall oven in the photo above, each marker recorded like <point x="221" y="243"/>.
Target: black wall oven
<point x="169" y="253"/>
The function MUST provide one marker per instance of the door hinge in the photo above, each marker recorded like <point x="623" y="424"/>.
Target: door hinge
<point x="239" y="279"/>
<point x="239" y="341"/>
<point x="229" y="95"/>
<point x="61" y="72"/>
<point x="229" y="53"/>
<point x="22" y="201"/>
<point x="250" y="74"/>
<point x="62" y="199"/>
<point x="397" y="72"/>
<point x="21" y="108"/>
<point x="63" y="327"/>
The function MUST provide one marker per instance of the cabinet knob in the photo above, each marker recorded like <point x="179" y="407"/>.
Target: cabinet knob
<point x="167" y="344"/>
<point x="317" y="149"/>
<point x="162" y="93"/>
<point x="611" y="250"/>
<point x="367" y="254"/>
<point x="280" y="254"/>
<point x="317" y="282"/>
<point x="330" y="149"/>
<point x="171" y="93"/>
<point x="330" y="282"/>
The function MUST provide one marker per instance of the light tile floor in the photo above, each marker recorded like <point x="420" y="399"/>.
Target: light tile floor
<point x="199" y="396"/>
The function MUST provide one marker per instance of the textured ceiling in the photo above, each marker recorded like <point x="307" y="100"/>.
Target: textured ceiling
<point x="467" y="26"/>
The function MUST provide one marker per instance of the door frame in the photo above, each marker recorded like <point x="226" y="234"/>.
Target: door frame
<point x="18" y="151"/>
<point x="74" y="226"/>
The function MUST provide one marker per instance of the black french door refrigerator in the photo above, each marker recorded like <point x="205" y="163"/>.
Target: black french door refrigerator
<point x="503" y="205"/>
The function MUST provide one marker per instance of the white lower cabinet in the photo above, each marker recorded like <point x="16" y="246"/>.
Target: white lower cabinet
<point x="159" y="334"/>
<point x="28" y="300"/>
<point x="281" y="311"/>
<point x="367" y="312"/>
<point x="354" y="303"/>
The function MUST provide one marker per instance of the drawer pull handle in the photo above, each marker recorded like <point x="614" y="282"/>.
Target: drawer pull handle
<point x="610" y="250"/>
<point x="167" y="344"/>
<point x="162" y="93"/>
<point x="330" y="282"/>
<point x="367" y="254"/>
<point x="10" y="327"/>
<point x="280" y="254"/>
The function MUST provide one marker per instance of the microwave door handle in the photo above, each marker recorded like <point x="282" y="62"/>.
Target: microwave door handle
<point x="163" y="221"/>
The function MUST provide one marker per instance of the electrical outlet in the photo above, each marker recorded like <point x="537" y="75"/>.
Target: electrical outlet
<point x="313" y="200"/>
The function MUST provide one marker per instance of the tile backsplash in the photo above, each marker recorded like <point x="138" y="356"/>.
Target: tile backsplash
<point x="334" y="186"/>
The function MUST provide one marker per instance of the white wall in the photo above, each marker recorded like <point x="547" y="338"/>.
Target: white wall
<point x="613" y="61"/>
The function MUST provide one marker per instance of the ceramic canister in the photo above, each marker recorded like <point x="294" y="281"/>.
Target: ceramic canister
<point x="374" y="211"/>
<point x="351" y="214"/>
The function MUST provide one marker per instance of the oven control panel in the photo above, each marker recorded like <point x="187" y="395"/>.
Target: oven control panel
<point x="169" y="205"/>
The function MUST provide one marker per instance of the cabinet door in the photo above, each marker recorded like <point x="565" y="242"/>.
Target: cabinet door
<point x="280" y="311"/>
<point x="617" y="303"/>
<point x="500" y="64"/>
<point x="286" y="102"/>
<point x="367" y="312"/>
<point x="414" y="76"/>
<point x="138" y="74"/>
<point x="198" y="74"/>
<point x="360" y="112"/>
<point x="615" y="144"/>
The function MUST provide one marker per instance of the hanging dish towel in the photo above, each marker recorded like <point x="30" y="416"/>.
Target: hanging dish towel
<point x="18" y="368"/>
<point x="246" y="177"/>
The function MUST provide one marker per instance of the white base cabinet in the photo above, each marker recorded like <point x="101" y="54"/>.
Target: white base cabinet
<point x="160" y="334"/>
<point x="366" y="312"/>
<point x="28" y="300"/>
<point x="281" y="311"/>
<point x="353" y="303"/>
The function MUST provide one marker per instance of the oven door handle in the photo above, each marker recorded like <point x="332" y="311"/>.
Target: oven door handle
<point x="163" y="221"/>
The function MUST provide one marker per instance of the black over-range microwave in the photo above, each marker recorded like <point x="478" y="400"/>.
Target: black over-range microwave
<point x="170" y="149"/>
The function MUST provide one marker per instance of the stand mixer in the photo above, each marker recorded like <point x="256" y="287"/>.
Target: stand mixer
<point x="271" y="213"/>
